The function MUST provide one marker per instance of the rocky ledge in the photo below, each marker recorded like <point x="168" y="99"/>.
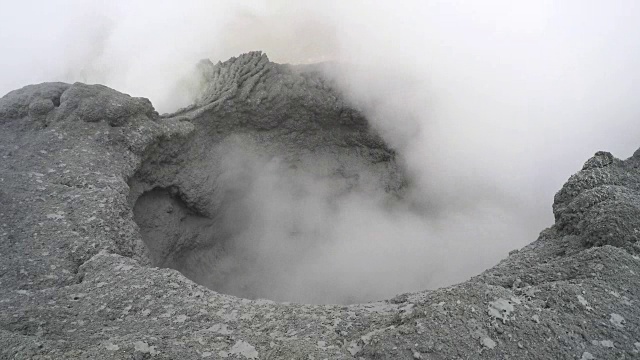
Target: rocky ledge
<point x="87" y="269"/>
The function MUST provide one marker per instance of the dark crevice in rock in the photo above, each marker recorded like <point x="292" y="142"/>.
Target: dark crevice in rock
<point x="56" y="100"/>
<point x="180" y="237"/>
<point x="168" y="226"/>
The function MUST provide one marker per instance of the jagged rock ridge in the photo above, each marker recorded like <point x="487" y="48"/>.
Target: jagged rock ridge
<point x="75" y="280"/>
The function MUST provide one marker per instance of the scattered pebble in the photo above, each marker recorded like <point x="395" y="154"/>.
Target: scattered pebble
<point x="606" y="343"/>
<point x="501" y="309"/>
<point x="488" y="343"/>
<point x="587" y="356"/>
<point x="111" y="347"/>
<point x="417" y="355"/>
<point x="245" y="349"/>
<point x="143" y="347"/>
<point x="617" y="320"/>
<point x="220" y="329"/>
<point x="354" y="348"/>
<point x="584" y="302"/>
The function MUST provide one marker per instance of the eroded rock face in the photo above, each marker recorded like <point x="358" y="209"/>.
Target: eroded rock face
<point x="64" y="179"/>
<point x="76" y="279"/>
<point x="601" y="203"/>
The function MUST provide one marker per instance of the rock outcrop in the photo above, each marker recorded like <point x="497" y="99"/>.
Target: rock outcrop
<point x="80" y="164"/>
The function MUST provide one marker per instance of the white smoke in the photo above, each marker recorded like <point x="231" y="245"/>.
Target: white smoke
<point x="492" y="105"/>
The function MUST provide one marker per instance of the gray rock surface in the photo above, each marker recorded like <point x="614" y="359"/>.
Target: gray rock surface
<point x="77" y="275"/>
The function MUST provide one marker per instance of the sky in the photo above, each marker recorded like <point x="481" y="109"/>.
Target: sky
<point x="492" y="104"/>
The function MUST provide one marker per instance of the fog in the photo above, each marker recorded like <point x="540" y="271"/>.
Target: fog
<point x="301" y="235"/>
<point x="492" y="106"/>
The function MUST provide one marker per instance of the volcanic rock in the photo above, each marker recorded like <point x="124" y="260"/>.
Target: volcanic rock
<point x="101" y="199"/>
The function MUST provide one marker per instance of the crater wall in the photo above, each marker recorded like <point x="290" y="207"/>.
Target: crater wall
<point x="78" y="281"/>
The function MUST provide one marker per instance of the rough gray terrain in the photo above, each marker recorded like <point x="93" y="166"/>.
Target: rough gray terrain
<point x="96" y="189"/>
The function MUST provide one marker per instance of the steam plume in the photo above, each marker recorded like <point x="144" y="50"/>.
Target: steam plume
<point x="492" y="105"/>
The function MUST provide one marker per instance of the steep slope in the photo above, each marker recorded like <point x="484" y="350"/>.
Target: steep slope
<point x="79" y="163"/>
